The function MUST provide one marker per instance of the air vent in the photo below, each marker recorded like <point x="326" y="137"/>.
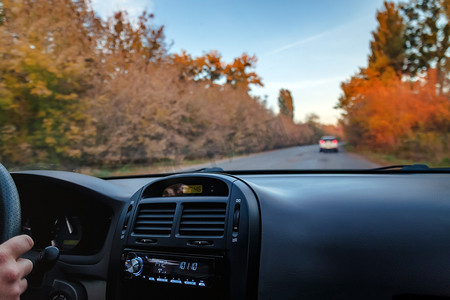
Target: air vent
<point x="154" y="219"/>
<point x="203" y="219"/>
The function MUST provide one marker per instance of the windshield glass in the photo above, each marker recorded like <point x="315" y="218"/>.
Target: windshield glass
<point x="143" y="86"/>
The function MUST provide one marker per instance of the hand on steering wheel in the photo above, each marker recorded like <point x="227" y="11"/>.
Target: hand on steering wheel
<point x="13" y="269"/>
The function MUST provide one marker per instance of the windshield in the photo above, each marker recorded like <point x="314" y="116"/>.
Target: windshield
<point x="143" y="86"/>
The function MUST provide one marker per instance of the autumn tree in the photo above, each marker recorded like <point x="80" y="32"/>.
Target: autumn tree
<point x="313" y="121"/>
<point x="286" y="104"/>
<point x="211" y="66"/>
<point x="47" y="57"/>
<point x="188" y="67"/>
<point x="333" y="130"/>
<point x="2" y="16"/>
<point x="404" y="113"/>
<point x="388" y="41"/>
<point x="128" y="43"/>
<point x="446" y="5"/>
<point x="76" y="89"/>
<point x="239" y="74"/>
<point x="386" y="59"/>
<point x="388" y="113"/>
<point x="428" y="38"/>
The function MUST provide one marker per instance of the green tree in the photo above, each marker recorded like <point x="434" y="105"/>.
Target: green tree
<point x="428" y="38"/>
<point x="388" y="44"/>
<point x="45" y="72"/>
<point x="2" y="15"/>
<point x="286" y="104"/>
<point x="313" y="121"/>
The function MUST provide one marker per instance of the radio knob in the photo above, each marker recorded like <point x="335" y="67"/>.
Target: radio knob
<point x="134" y="266"/>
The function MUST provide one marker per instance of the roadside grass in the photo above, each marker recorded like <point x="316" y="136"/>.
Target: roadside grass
<point x="386" y="159"/>
<point x="162" y="166"/>
<point x="165" y="166"/>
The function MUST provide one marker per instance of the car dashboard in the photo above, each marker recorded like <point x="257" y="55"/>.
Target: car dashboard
<point x="248" y="235"/>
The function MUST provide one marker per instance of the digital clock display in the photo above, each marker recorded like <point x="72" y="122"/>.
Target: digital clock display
<point x="193" y="189"/>
<point x="186" y="268"/>
<point x="183" y="190"/>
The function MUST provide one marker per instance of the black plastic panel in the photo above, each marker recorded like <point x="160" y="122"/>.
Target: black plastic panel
<point x="353" y="236"/>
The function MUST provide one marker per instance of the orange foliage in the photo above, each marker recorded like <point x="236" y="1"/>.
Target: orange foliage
<point x="386" y="109"/>
<point x="210" y="67"/>
<point x="333" y="130"/>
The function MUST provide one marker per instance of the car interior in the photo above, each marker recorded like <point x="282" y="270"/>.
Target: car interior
<point x="211" y="234"/>
<point x="224" y="150"/>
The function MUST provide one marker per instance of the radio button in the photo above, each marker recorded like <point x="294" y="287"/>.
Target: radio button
<point x="190" y="282"/>
<point x="176" y="281"/>
<point x="162" y="279"/>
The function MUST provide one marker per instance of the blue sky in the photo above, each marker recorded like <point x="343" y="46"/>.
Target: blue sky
<point x="308" y="47"/>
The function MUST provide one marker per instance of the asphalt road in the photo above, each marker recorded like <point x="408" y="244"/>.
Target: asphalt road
<point x="301" y="157"/>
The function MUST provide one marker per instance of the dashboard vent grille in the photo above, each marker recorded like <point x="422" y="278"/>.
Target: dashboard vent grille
<point x="154" y="219"/>
<point x="203" y="219"/>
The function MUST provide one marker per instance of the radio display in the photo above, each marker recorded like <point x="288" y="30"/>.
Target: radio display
<point x="183" y="268"/>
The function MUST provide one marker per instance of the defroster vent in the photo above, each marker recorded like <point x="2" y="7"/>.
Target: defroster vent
<point x="203" y="219"/>
<point x="154" y="219"/>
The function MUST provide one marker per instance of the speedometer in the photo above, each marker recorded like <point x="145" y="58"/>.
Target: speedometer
<point x="66" y="232"/>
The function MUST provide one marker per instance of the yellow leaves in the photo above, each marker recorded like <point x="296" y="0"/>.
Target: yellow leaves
<point x="50" y="141"/>
<point x="68" y="97"/>
<point x="15" y="5"/>
<point x="73" y="153"/>
<point x="6" y="97"/>
<point x="39" y="88"/>
<point x="5" y="101"/>
<point x="34" y="58"/>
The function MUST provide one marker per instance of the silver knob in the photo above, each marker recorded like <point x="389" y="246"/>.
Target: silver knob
<point x="134" y="266"/>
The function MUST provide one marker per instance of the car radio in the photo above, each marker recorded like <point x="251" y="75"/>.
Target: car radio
<point x="181" y="270"/>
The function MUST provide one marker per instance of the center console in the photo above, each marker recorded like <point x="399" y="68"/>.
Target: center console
<point x="189" y="236"/>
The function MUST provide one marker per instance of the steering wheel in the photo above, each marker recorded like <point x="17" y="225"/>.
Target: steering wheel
<point x="10" y="214"/>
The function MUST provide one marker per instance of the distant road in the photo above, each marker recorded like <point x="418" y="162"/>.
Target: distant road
<point x="301" y="157"/>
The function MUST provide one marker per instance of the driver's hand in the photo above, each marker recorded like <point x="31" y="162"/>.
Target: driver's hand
<point x="13" y="269"/>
